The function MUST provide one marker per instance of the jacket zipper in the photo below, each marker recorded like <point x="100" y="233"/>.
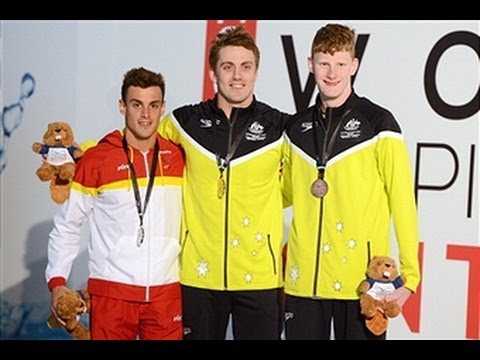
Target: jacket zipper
<point x="320" y="219"/>
<point x="231" y="124"/>
<point x="147" y="283"/>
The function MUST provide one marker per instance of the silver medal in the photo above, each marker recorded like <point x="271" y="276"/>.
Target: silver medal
<point x="140" y="236"/>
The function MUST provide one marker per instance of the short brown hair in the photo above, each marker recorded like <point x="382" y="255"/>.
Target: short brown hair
<point x="332" y="38"/>
<point x="233" y="36"/>
<point x="142" y="78"/>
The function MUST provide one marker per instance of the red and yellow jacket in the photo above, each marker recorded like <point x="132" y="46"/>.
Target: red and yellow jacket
<point x="102" y="192"/>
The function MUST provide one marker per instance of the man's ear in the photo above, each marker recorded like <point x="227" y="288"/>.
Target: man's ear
<point x="354" y="66"/>
<point x="122" y="107"/>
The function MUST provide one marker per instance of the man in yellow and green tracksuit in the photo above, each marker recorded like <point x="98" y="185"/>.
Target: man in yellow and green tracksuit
<point x="230" y="263"/>
<point x="347" y="174"/>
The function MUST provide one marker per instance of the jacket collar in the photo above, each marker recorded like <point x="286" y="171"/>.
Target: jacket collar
<point x="338" y="111"/>
<point x="213" y="105"/>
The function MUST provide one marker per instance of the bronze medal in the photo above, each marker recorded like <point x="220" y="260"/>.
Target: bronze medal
<point x="220" y="188"/>
<point x="319" y="188"/>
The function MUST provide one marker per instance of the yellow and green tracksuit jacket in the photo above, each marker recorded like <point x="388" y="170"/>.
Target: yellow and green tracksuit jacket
<point x="233" y="242"/>
<point x="368" y="172"/>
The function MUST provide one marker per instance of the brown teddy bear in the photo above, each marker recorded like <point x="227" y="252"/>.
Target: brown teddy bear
<point x="382" y="279"/>
<point x="69" y="307"/>
<point x="59" y="154"/>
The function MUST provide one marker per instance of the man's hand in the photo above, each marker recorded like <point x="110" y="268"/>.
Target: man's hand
<point x="400" y="295"/>
<point x="57" y="292"/>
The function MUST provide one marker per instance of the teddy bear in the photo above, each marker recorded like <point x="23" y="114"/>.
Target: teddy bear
<point x="382" y="279"/>
<point x="70" y="306"/>
<point x="59" y="153"/>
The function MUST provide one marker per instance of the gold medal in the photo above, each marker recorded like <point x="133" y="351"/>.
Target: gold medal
<point x="221" y="188"/>
<point x="319" y="188"/>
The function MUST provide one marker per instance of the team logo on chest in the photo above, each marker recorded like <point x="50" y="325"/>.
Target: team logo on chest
<point x="351" y="130"/>
<point x="255" y="132"/>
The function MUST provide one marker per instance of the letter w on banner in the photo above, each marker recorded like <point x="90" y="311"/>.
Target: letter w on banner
<point x="213" y="28"/>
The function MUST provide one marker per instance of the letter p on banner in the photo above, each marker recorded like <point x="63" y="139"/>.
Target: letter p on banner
<point x="213" y="28"/>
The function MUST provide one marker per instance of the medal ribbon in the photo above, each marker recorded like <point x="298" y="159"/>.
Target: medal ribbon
<point x="321" y="159"/>
<point x="222" y="163"/>
<point x="136" y="192"/>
